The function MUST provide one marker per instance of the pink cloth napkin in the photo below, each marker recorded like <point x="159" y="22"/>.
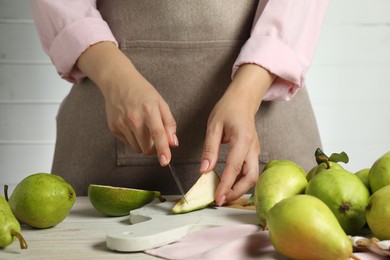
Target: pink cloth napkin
<point x="238" y="242"/>
<point x="226" y="242"/>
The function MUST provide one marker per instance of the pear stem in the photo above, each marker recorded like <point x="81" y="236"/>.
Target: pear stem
<point x="327" y="164"/>
<point x="322" y="158"/>
<point x="6" y="192"/>
<point x="354" y="257"/>
<point x="22" y="241"/>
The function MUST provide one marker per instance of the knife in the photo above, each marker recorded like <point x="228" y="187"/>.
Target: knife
<point x="177" y="180"/>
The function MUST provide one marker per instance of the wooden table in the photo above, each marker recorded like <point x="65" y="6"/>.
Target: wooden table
<point x="82" y="235"/>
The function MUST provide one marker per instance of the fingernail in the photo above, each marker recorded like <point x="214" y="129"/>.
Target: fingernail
<point x="163" y="160"/>
<point x="222" y="201"/>
<point x="205" y="165"/>
<point x="175" y="140"/>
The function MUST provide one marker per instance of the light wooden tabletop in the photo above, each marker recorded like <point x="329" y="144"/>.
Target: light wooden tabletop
<point x="82" y="235"/>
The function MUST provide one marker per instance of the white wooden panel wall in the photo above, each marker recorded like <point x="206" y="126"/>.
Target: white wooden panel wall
<point x="30" y="93"/>
<point x="349" y="83"/>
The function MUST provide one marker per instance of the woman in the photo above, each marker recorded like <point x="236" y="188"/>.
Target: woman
<point x="151" y="73"/>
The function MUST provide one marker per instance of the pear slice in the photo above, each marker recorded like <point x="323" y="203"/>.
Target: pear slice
<point x="117" y="201"/>
<point x="200" y="195"/>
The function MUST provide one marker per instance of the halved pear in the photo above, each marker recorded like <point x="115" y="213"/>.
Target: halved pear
<point x="200" y="195"/>
<point x="117" y="201"/>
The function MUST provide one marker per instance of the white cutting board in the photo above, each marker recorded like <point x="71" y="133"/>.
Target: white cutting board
<point x="155" y="225"/>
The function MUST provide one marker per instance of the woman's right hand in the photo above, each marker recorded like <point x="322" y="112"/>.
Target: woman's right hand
<point x="136" y="112"/>
<point x="140" y="117"/>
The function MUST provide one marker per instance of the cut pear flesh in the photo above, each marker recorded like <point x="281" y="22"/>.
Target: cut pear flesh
<point x="200" y="195"/>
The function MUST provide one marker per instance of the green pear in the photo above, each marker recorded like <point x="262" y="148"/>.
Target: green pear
<point x="378" y="213"/>
<point x="276" y="183"/>
<point x="42" y="200"/>
<point x="363" y="176"/>
<point x="283" y="162"/>
<point x="303" y="227"/>
<point x="379" y="175"/>
<point x="345" y="194"/>
<point x="325" y="163"/>
<point x="321" y="168"/>
<point x="201" y="194"/>
<point x="9" y="226"/>
<point x="251" y="199"/>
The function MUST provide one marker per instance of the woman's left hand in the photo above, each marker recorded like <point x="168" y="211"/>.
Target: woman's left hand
<point x="232" y="121"/>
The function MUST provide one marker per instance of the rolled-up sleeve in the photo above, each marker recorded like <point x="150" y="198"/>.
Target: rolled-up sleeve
<point x="283" y="41"/>
<point x="66" y="29"/>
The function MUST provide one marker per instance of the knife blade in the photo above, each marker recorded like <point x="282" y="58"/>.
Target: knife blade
<point x="177" y="180"/>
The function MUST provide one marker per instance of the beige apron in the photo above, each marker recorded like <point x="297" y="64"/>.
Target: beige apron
<point x="186" y="49"/>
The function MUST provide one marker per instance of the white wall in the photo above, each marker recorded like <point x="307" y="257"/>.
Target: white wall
<point x="30" y="93"/>
<point x="349" y="83"/>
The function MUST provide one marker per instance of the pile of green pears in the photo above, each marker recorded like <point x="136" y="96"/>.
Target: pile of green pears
<point x="41" y="200"/>
<point x="312" y="215"/>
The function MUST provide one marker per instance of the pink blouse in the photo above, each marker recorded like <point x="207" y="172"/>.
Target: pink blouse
<point x="283" y="38"/>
